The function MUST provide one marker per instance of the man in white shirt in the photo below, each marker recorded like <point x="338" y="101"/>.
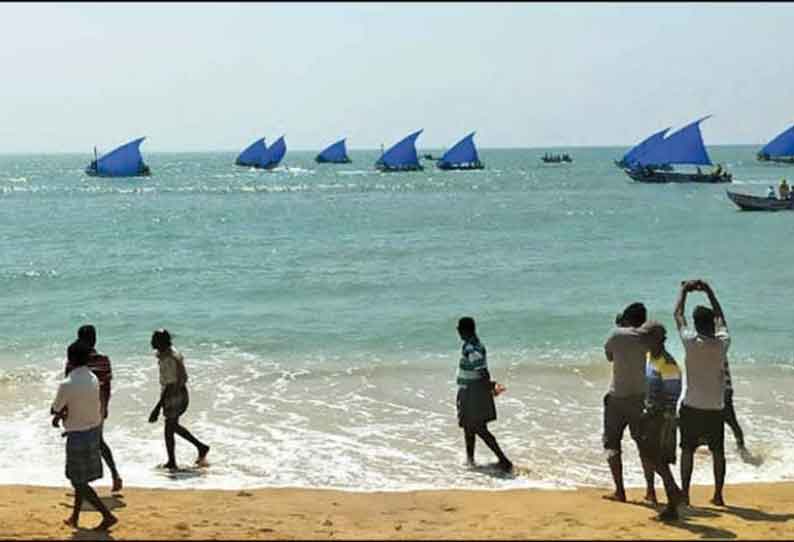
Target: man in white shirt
<point x="701" y="413"/>
<point x="79" y="394"/>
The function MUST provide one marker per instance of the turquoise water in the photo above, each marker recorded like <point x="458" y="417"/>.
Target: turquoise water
<point x="316" y="306"/>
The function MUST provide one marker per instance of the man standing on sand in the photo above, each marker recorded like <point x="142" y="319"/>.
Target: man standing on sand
<point x="79" y="394"/>
<point x="701" y="413"/>
<point x="624" y="402"/>
<point x="100" y="366"/>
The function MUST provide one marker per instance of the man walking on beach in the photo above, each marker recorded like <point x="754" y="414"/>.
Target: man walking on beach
<point x="100" y="366"/>
<point x="79" y="395"/>
<point x="624" y="402"/>
<point x="701" y="414"/>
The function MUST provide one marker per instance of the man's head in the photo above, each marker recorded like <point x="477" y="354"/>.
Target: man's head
<point x="634" y="315"/>
<point x="161" y="340"/>
<point x="704" y="320"/>
<point x="78" y="353"/>
<point x="654" y="334"/>
<point x="466" y="327"/>
<point x="87" y="334"/>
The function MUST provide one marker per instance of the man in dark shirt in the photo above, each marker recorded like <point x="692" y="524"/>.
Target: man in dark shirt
<point x="100" y="366"/>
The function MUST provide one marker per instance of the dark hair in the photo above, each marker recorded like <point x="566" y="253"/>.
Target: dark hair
<point x="466" y="325"/>
<point x="87" y="334"/>
<point x="635" y="315"/>
<point x="78" y="353"/>
<point x="704" y="320"/>
<point x="161" y="339"/>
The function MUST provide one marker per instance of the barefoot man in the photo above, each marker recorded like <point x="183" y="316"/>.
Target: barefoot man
<point x="624" y="402"/>
<point x="701" y="414"/>
<point x="79" y="394"/>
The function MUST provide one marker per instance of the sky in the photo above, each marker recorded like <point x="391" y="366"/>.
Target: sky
<point x="216" y="76"/>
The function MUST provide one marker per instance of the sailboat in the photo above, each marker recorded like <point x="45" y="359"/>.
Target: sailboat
<point x="253" y="155"/>
<point x="780" y="149"/>
<point x="334" y="154"/>
<point x="124" y="161"/>
<point x="462" y="155"/>
<point x="401" y="156"/>
<point x="682" y="147"/>
<point x="630" y="156"/>
<point x="274" y="154"/>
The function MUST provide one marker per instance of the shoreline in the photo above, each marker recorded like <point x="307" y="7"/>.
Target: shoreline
<point x="757" y="510"/>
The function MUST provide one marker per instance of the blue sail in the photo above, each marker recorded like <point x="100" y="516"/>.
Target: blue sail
<point x="402" y="155"/>
<point x="275" y="153"/>
<point x="336" y="153"/>
<point x="682" y="147"/>
<point x="253" y="154"/>
<point x="462" y="153"/>
<point x="782" y="145"/>
<point x="637" y="149"/>
<point x="124" y="161"/>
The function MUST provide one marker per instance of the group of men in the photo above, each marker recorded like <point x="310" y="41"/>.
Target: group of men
<point x="644" y="393"/>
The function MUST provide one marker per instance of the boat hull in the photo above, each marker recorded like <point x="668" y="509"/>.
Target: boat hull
<point x="461" y="167"/>
<point x="776" y="159"/>
<point x="746" y="202"/>
<point x="320" y="160"/>
<point x="677" y="177"/>
<point x="387" y="169"/>
<point x="145" y="172"/>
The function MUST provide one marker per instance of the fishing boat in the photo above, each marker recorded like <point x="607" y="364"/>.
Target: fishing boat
<point x="124" y="161"/>
<point x="630" y="157"/>
<point x="274" y="154"/>
<point x="682" y="147"/>
<point x="334" y="154"/>
<point x="747" y="202"/>
<point x="556" y="158"/>
<point x="780" y="149"/>
<point x="401" y="156"/>
<point x="253" y="155"/>
<point x="462" y="155"/>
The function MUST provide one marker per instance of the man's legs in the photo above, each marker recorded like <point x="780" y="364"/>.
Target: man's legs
<point x="107" y="457"/>
<point x="490" y="441"/>
<point x="648" y="471"/>
<point x="729" y="413"/>
<point x="718" y="457"/>
<point x="469" y="436"/>
<point x="85" y="491"/>
<point x="78" y="504"/>
<point x="687" y="464"/>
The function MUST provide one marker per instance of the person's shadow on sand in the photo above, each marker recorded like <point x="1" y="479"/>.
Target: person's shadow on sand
<point x="112" y="502"/>
<point x="753" y="514"/>
<point x="686" y="512"/>
<point x="90" y="534"/>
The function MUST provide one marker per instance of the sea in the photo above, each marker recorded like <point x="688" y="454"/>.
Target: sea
<point x="316" y="307"/>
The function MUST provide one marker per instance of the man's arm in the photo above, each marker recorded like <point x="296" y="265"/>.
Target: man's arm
<point x="678" y="313"/>
<point x="719" y="316"/>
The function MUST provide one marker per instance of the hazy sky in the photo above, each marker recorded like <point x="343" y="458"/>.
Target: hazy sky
<point x="216" y="76"/>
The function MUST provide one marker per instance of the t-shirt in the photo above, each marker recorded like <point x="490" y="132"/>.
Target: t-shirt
<point x="79" y="392"/>
<point x="100" y="366"/>
<point x="664" y="382"/>
<point x="705" y="368"/>
<point x="171" y="364"/>
<point x="627" y="351"/>
<point x="473" y="365"/>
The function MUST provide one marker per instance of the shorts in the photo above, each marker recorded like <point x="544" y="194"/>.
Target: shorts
<point x="658" y="441"/>
<point x="83" y="457"/>
<point x="618" y="413"/>
<point x="699" y="426"/>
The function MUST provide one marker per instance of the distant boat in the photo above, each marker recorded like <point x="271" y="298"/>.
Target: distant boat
<point x="334" y="154"/>
<point x="428" y="156"/>
<point x="747" y="202"/>
<point x="124" y="161"/>
<point x="556" y="158"/>
<point x="780" y="149"/>
<point x="682" y="147"/>
<point x="401" y="156"/>
<point x="253" y="155"/>
<point x="630" y="157"/>
<point x="462" y="155"/>
<point x="274" y="154"/>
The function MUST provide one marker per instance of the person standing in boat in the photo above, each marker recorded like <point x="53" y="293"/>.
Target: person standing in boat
<point x="78" y="398"/>
<point x="476" y="391"/>
<point x="173" y="398"/>
<point x="770" y="193"/>
<point x="658" y="427"/>
<point x="702" y="408"/>
<point x="624" y="402"/>
<point x="784" y="189"/>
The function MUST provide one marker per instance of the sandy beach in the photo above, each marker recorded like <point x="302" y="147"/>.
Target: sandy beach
<point x="757" y="511"/>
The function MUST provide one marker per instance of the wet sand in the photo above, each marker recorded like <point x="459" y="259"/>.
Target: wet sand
<point x="759" y="511"/>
